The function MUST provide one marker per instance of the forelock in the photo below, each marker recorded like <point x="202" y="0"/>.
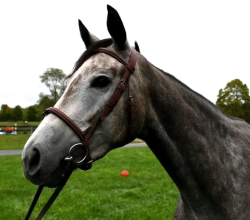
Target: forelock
<point x="87" y="54"/>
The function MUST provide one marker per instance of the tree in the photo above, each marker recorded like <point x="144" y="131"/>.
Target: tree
<point x="246" y="108"/>
<point x="234" y="99"/>
<point x="54" y="80"/>
<point x="45" y="101"/>
<point x="17" y="113"/>
<point x="34" y="113"/>
<point x="6" y="113"/>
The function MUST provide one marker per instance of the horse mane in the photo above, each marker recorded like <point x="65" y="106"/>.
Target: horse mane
<point x="196" y="93"/>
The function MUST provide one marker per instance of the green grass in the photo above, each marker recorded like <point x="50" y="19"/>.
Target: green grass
<point x="12" y="142"/>
<point x="99" y="194"/>
<point x="12" y="123"/>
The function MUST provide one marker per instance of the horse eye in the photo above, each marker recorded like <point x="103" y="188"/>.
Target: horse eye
<point x="100" y="82"/>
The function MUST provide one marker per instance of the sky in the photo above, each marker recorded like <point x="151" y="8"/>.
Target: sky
<point x="205" y="44"/>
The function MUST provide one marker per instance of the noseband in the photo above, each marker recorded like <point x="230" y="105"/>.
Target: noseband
<point x="85" y="136"/>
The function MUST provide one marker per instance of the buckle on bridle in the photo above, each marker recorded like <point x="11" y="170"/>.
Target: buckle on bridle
<point x="123" y="82"/>
<point x="121" y="86"/>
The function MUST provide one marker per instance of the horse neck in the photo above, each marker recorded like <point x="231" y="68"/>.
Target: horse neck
<point x="184" y="131"/>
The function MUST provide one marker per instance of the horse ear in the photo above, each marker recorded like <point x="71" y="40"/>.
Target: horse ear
<point x="87" y="37"/>
<point x="137" y="47"/>
<point x="116" y="28"/>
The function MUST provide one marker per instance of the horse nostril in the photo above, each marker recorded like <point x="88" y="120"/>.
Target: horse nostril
<point x="33" y="162"/>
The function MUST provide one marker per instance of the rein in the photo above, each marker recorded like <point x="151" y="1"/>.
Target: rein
<point x="85" y="136"/>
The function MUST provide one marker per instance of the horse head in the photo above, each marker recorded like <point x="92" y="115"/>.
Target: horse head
<point x="90" y="86"/>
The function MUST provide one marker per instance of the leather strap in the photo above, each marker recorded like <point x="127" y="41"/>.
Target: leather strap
<point x="132" y="60"/>
<point x="51" y="199"/>
<point x="55" y="194"/>
<point x="130" y="67"/>
<point x="67" y="120"/>
<point x="35" y="199"/>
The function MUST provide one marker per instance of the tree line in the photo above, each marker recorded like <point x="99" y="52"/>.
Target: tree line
<point x="54" y="79"/>
<point x="233" y="99"/>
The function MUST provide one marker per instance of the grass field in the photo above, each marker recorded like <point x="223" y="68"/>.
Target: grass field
<point x="12" y="123"/>
<point x="99" y="194"/>
<point x="12" y="142"/>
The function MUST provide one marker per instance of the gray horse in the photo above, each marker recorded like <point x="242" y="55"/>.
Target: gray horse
<point x="205" y="152"/>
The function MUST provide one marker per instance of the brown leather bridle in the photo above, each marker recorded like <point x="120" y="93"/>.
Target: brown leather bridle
<point x="85" y="136"/>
